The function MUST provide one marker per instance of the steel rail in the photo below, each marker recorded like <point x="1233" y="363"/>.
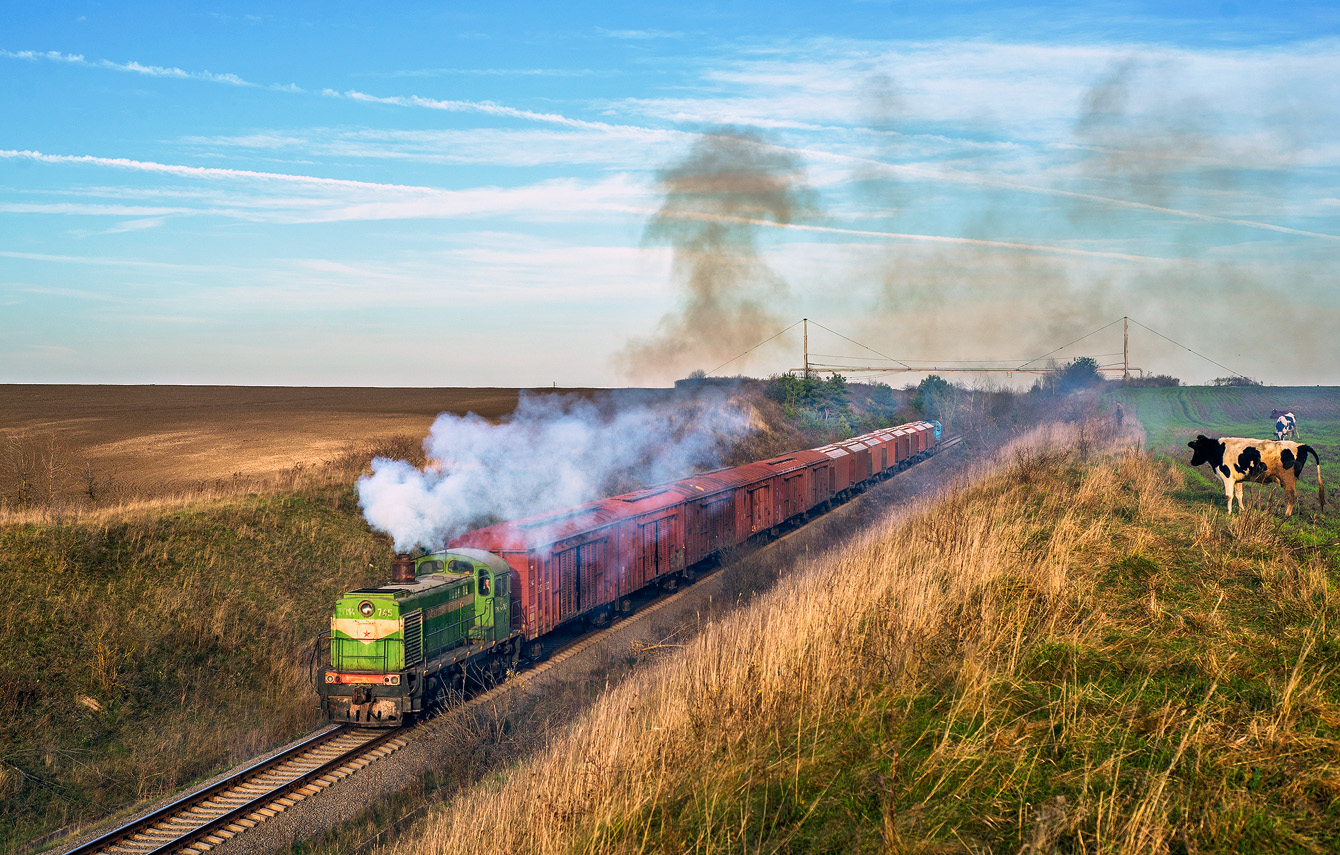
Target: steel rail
<point x="187" y="809"/>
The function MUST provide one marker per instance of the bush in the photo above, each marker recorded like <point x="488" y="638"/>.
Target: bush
<point x="1152" y="380"/>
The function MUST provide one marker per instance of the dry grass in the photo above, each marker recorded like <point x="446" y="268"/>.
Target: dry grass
<point x="149" y="647"/>
<point x="1006" y="670"/>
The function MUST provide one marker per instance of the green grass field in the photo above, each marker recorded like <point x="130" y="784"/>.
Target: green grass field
<point x="1173" y="416"/>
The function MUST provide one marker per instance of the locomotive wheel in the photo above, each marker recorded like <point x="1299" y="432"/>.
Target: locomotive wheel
<point x="437" y="696"/>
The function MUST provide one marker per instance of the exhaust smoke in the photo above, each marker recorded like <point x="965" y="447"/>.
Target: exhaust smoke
<point x="552" y="452"/>
<point x="732" y="183"/>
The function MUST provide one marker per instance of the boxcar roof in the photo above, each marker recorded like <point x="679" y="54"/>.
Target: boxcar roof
<point x="722" y="479"/>
<point x="643" y="501"/>
<point x="538" y="530"/>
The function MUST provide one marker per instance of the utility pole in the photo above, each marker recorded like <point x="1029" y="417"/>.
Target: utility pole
<point x="807" y="347"/>
<point x="1125" y="348"/>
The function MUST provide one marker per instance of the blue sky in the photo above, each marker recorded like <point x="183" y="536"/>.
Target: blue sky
<point x="526" y="194"/>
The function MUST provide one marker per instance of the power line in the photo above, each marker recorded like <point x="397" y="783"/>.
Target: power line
<point x="858" y="344"/>
<point x="1076" y="341"/>
<point x="1189" y="350"/>
<point x="981" y="364"/>
<point x="752" y="349"/>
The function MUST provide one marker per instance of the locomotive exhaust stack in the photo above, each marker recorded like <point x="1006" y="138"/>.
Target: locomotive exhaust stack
<point x="402" y="570"/>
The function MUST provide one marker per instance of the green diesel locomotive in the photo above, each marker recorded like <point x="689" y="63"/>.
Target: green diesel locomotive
<point x="404" y="647"/>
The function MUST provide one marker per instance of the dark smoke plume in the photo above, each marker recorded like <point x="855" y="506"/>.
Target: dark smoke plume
<point x="1141" y="138"/>
<point x="731" y="184"/>
<point x="1162" y="155"/>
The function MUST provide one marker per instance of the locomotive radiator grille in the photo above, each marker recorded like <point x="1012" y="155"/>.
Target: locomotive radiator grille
<point x="413" y="638"/>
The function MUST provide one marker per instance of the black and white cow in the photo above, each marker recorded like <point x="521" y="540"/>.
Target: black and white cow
<point x="1237" y="460"/>
<point x="1285" y="424"/>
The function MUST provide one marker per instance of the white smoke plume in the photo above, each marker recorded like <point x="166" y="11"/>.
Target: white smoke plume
<point x="552" y="452"/>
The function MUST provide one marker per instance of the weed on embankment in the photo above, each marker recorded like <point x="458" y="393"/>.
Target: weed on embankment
<point x="1065" y="656"/>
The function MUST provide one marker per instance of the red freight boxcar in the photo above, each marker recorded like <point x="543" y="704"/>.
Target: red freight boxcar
<point x="791" y="490"/>
<point x="713" y="511"/>
<point x="842" y="469"/>
<point x="862" y="469"/>
<point x="886" y="454"/>
<point x="563" y="563"/>
<point x="924" y="435"/>
<point x="903" y="439"/>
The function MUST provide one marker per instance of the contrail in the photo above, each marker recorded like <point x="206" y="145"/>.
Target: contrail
<point x="208" y="172"/>
<point x="1031" y="247"/>
<point x="986" y="181"/>
<point x="486" y="107"/>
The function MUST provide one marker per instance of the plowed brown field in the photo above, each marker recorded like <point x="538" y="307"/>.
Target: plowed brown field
<point x="164" y="437"/>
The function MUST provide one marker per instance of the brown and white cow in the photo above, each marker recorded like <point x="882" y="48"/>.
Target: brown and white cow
<point x="1237" y="460"/>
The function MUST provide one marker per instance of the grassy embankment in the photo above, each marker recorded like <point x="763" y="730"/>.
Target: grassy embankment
<point x="1068" y="655"/>
<point x="146" y="646"/>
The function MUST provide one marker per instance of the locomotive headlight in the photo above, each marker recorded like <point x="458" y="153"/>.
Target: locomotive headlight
<point x="365" y="608"/>
<point x="330" y="678"/>
<point x="393" y="679"/>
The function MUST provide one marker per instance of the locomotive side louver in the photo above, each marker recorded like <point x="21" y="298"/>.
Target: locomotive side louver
<point x="413" y="638"/>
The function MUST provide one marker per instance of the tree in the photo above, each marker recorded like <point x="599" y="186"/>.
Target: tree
<point x="1083" y="373"/>
<point x="934" y="398"/>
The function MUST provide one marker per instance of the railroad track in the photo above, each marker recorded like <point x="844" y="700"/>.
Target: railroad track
<point x="208" y="817"/>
